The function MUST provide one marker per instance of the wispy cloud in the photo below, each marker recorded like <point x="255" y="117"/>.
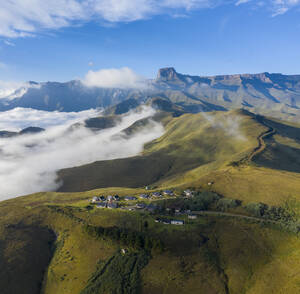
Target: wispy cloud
<point x="20" y="118"/>
<point x="276" y="7"/>
<point x="123" y="78"/>
<point x="9" y="43"/>
<point x="239" y="2"/>
<point x="231" y="125"/>
<point x="28" y="163"/>
<point x="19" y="18"/>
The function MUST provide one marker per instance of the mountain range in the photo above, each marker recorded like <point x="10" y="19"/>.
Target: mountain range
<point x="271" y="94"/>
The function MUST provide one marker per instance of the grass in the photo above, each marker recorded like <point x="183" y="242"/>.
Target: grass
<point x="207" y="255"/>
<point x="212" y="254"/>
<point x="190" y="141"/>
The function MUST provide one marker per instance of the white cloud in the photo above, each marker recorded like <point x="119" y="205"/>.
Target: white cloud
<point x="228" y="123"/>
<point x="20" y="118"/>
<point x="239" y="2"/>
<point x="277" y="7"/>
<point x="12" y="90"/>
<point x="123" y="78"/>
<point x="282" y="6"/>
<point x="2" y="65"/>
<point x="21" y="18"/>
<point x="8" y="88"/>
<point x="29" y="163"/>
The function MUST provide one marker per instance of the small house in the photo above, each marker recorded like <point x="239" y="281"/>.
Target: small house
<point x="130" y="198"/>
<point x="101" y="205"/>
<point x="177" y="222"/>
<point x="144" y="196"/>
<point x="168" y="193"/>
<point x="102" y="198"/>
<point x="156" y="194"/>
<point x="140" y="205"/>
<point x="192" y="216"/>
<point x="188" y="193"/>
<point x="112" y="205"/>
<point x="95" y="199"/>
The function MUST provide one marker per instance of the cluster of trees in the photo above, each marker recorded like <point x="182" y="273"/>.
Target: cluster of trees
<point x="125" y="237"/>
<point x="203" y="201"/>
<point x="224" y="204"/>
<point x="284" y="215"/>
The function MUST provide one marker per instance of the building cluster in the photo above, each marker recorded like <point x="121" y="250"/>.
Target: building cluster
<point x="169" y="221"/>
<point x="111" y="201"/>
<point x="106" y="202"/>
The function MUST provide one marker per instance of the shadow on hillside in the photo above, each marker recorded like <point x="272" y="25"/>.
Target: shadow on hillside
<point x="279" y="156"/>
<point x="25" y="254"/>
<point x="284" y="130"/>
<point x="133" y="172"/>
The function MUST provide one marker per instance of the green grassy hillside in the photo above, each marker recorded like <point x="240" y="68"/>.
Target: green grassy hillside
<point x="208" y="255"/>
<point x="57" y="242"/>
<point x="190" y="141"/>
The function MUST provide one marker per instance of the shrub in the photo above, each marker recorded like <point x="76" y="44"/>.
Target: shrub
<point x="226" y="203"/>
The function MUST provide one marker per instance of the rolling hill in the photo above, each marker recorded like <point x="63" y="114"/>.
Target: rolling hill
<point x="200" y="148"/>
<point x="238" y="159"/>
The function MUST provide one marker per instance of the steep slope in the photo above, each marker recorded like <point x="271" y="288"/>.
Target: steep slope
<point x="207" y="255"/>
<point x="215" y="253"/>
<point x="190" y="141"/>
<point x="202" y="148"/>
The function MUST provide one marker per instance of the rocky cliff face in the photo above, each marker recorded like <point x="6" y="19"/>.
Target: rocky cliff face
<point x="263" y="92"/>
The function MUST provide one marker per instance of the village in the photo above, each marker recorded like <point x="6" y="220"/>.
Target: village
<point x="131" y="203"/>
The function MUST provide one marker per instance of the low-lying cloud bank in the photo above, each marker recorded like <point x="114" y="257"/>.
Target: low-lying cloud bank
<point x="21" y="118"/>
<point x="123" y="78"/>
<point x="29" y="163"/>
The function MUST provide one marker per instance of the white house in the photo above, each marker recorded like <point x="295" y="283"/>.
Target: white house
<point x="177" y="222"/>
<point x="144" y="196"/>
<point x="188" y="193"/>
<point x="95" y="199"/>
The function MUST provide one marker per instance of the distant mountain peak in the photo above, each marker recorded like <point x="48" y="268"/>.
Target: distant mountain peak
<point x="167" y="74"/>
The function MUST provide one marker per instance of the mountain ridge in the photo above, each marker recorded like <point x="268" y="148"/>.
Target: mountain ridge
<point x="272" y="94"/>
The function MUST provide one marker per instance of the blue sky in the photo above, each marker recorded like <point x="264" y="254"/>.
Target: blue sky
<point x="200" y="37"/>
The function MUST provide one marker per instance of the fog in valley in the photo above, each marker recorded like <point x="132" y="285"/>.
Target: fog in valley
<point x="28" y="163"/>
